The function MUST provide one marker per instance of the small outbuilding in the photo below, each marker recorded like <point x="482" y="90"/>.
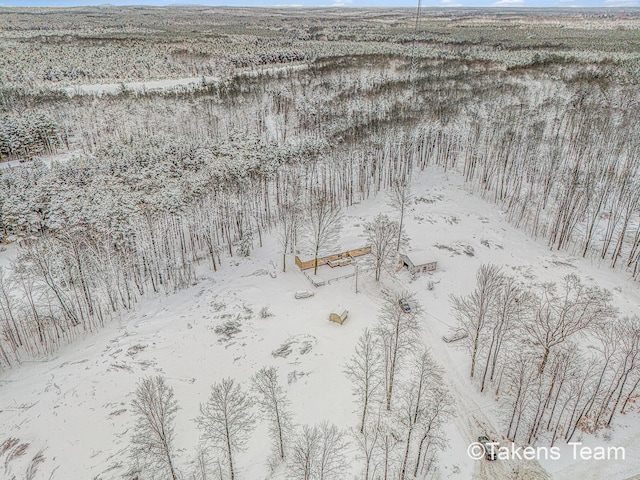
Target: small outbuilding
<point x="417" y="261"/>
<point x="334" y="317"/>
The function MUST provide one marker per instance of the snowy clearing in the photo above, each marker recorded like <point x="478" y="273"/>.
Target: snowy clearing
<point x="151" y="86"/>
<point x="76" y="406"/>
<point x="170" y="84"/>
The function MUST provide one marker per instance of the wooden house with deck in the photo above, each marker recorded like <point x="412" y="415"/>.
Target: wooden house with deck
<point x="337" y="259"/>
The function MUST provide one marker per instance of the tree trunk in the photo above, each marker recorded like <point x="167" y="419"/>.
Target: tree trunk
<point x="545" y="357"/>
<point x="229" y="456"/>
<point x="403" y="470"/>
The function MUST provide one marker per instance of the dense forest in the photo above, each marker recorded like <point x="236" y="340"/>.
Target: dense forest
<point x="160" y="181"/>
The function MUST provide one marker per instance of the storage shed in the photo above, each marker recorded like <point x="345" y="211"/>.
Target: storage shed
<point x="418" y="261"/>
<point x="334" y="317"/>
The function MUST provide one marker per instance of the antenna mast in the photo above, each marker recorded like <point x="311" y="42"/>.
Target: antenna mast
<point x="414" y="61"/>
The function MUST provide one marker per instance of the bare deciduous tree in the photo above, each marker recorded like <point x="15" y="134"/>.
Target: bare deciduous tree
<point x="561" y="315"/>
<point x="274" y="407"/>
<point x="382" y="234"/>
<point x="317" y="453"/>
<point x="289" y="212"/>
<point x="331" y="458"/>
<point x="511" y="304"/>
<point x="323" y="217"/>
<point x="365" y="372"/>
<point x="152" y="442"/>
<point x="387" y="448"/>
<point x="367" y="441"/>
<point x="423" y="408"/>
<point x="206" y="466"/>
<point x="287" y="215"/>
<point x="521" y="378"/>
<point x="473" y="310"/>
<point x="303" y="458"/>
<point x="400" y="197"/>
<point x="226" y="420"/>
<point x="629" y="337"/>
<point x="398" y="332"/>
<point x="432" y="436"/>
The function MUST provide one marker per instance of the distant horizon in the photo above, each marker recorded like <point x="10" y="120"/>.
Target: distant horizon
<point x="347" y="4"/>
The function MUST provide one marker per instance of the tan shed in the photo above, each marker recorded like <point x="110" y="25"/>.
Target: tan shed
<point x="334" y="317"/>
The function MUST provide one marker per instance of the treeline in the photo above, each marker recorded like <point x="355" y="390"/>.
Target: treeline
<point x="580" y="189"/>
<point x="569" y="174"/>
<point x="526" y="345"/>
<point x="167" y="181"/>
<point x="195" y="42"/>
<point x="94" y="246"/>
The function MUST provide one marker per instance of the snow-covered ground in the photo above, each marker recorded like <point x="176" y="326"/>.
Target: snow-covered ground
<point x="10" y="164"/>
<point x="77" y="404"/>
<point x="189" y="83"/>
<point x="7" y="255"/>
<point x="47" y="159"/>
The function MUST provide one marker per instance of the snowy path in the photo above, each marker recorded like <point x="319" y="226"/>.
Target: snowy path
<point x="175" y="84"/>
<point x="475" y="415"/>
<point x="189" y="83"/>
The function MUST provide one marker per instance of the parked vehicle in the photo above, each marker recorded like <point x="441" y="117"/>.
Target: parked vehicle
<point x="303" y="294"/>
<point x="404" y="305"/>
<point x="490" y="452"/>
<point x="455" y="336"/>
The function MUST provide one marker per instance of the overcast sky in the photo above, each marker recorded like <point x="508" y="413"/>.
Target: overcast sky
<point x="326" y="3"/>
